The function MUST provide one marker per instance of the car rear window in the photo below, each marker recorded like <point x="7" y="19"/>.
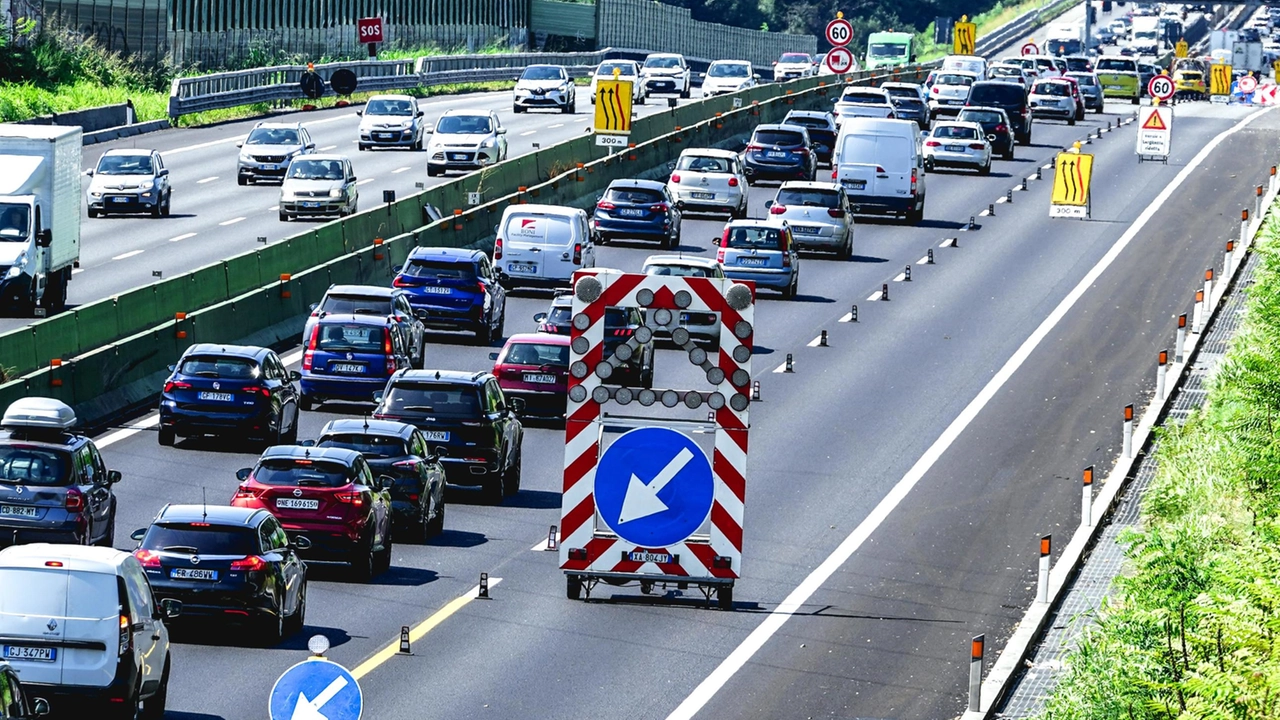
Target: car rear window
<point x="699" y="163"/>
<point x="862" y="97"/>
<point x="371" y="446"/>
<point x="354" y="305"/>
<point x="349" y="337"/>
<point x="979" y="116"/>
<point x="901" y="92"/>
<point x="57" y="593"/>
<point x="1056" y="89"/>
<point x="528" y="353"/>
<point x="996" y="94"/>
<point x="950" y="79"/>
<point x="439" y="399"/>
<point x="813" y="123"/>
<point x="808" y="196"/>
<point x="1116" y="65"/>
<point x="677" y="271"/>
<point x="24" y="465"/>
<point x="205" y="539"/>
<point x="302" y="472"/>
<point x="777" y="137"/>
<point x="1078" y="65"/>
<point x="956" y="132"/>
<point x="223" y="368"/>
<point x="633" y="195"/>
<point x="440" y="270"/>
<point x="753" y="237"/>
<point x="1084" y="80"/>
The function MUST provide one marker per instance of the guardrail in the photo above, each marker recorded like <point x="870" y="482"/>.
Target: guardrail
<point x="1017" y="27"/>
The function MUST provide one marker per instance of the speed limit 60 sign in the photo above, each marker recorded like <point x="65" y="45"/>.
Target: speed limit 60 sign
<point x="369" y="30"/>
<point x="839" y="32"/>
<point x="1161" y="87"/>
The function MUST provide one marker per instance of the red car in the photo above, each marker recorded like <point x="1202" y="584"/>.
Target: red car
<point x="535" y="367"/>
<point x="330" y="497"/>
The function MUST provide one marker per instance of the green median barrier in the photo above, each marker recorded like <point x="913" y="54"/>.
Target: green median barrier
<point x="309" y="287"/>
<point x="171" y="297"/>
<point x="285" y="257"/>
<point x="243" y="273"/>
<point x="409" y="213"/>
<point x="344" y="271"/>
<point x="53" y="382"/>
<point x="206" y="286"/>
<point x="329" y="243"/>
<point x="99" y="323"/>
<point x="14" y="390"/>
<point x="57" y="337"/>
<point x="18" y="353"/>
<point x="135" y="311"/>
<point x="216" y="324"/>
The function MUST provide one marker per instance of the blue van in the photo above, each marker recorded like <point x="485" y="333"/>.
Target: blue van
<point x="454" y="289"/>
<point x="350" y="357"/>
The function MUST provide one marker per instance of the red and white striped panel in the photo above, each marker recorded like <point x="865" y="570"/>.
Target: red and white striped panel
<point x="584" y="429"/>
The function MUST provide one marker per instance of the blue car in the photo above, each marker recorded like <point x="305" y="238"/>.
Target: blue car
<point x="454" y="289"/>
<point x="779" y="152"/>
<point x="350" y="357"/>
<point x="236" y="390"/>
<point x="640" y="209"/>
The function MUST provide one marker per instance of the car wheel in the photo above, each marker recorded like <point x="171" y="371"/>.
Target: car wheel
<point x="846" y="250"/>
<point x="167" y="436"/>
<point x="565" y="109"/>
<point x="420" y="357"/>
<point x="153" y="707"/>
<point x="362" y="147"/>
<point x="573" y="106"/>
<point x="435" y="525"/>
<point x="298" y="619"/>
<point x="156" y="209"/>
<point x="433" y="172"/>
<point x="1071" y="121"/>
<point x="382" y="560"/>
<point x="928" y="165"/>
<point x="789" y="292"/>
<point x="643" y="99"/>
<point x="495" y="489"/>
<point x="305" y="402"/>
<point x="242" y="180"/>
<point x="273" y="627"/>
<point x="511" y="485"/>
<point x="985" y="169"/>
<point x="573" y="587"/>
<point x="724" y="597"/>
<point x="93" y="213"/>
<point x="361" y="561"/>
<point x="1008" y="154"/>
<point x="291" y="437"/>
<point x="168" y="204"/>
<point x="109" y="537"/>
<point x="915" y="215"/>
<point x="517" y="109"/>
<point x="284" y="217"/>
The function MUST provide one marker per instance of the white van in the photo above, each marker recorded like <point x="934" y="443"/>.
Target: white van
<point x="80" y="624"/>
<point x="880" y="163"/>
<point x="542" y="245"/>
<point x="966" y="63"/>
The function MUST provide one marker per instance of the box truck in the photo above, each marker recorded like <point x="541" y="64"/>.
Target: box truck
<point x="39" y="216"/>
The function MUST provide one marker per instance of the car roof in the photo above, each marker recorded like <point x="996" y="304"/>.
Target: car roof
<point x="756" y="222"/>
<point x="1000" y="83"/>
<point x="658" y="55"/>
<point x="390" y="97"/>
<point x="710" y="152"/>
<point x="808" y="185"/>
<point x="823" y="114"/>
<point x="212" y="514"/>
<point x="279" y="124"/>
<point x="986" y="108"/>
<point x="363" y="426"/>
<point x="544" y="65"/>
<point x="957" y="72"/>
<point x="531" y="209"/>
<point x="452" y="377"/>
<point x="340" y="455"/>
<point x="445" y="254"/>
<point x="466" y="111"/>
<point x="353" y="319"/>
<point x="687" y="261"/>
<point x="632" y="183"/>
<point x="325" y="157"/>
<point x="539" y="338"/>
<point x="129" y="151"/>
<point x="781" y="126"/>
<point x="958" y="123"/>
<point x="730" y="62"/>
<point x="74" y="558"/>
<point x="377" y="291"/>
<point x="251" y="352"/>
<point x="913" y="86"/>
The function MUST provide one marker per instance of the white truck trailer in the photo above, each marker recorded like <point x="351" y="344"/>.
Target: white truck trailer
<point x="39" y="216"/>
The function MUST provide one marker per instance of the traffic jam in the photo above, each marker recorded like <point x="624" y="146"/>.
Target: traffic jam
<point x="88" y="610"/>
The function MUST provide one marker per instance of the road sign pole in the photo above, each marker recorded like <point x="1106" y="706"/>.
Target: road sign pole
<point x="1042" y="586"/>
<point x="1126" y="435"/>
<point x="975" y="672"/>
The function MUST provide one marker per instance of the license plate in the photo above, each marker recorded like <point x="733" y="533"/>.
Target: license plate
<point x="704" y="196"/>
<point x="193" y="574"/>
<point x="120" y="199"/>
<point x="752" y="262"/>
<point x="526" y="268"/>
<point x="349" y="368"/>
<point x="805" y="230"/>
<point x="457" y="156"/>
<point x="631" y="212"/>
<point x="436" y="435"/>
<point x="216" y="396"/>
<point x="17" y="511"/>
<point x="35" y="654"/>
<point x="773" y="154"/>
<point x="544" y="379"/>
<point x="430" y="290"/>
<point x="311" y="204"/>
<point x="270" y="167"/>
<point x="297" y="504"/>
<point x="384" y="136"/>
<point x="856" y="184"/>
<point x="955" y="148"/>
<point x="648" y="557"/>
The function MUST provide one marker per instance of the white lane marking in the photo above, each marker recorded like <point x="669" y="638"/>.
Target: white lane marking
<point x="553" y="127"/>
<point x="816" y="342"/>
<point x="873" y="297"/>
<point x="397" y="171"/>
<point x="273" y="208"/>
<point x="128" y="255"/>
<point x="900" y="277"/>
<point x="527" y="134"/>
<point x="182" y="237"/>
<point x="541" y="546"/>
<point x="707" y="689"/>
<point x="580" y="120"/>
<point x="329" y="120"/>
<point x="1031" y="178"/>
<point x="77" y="271"/>
<point x="1002" y="199"/>
<point x="847" y="317"/>
<point x="207" y="180"/>
<point x="292" y="358"/>
<point x="232" y="221"/>
<point x="947" y="243"/>
<point x="923" y="261"/>
<point x="365" y="181"/>
<point x="327" y="148"/>
<point x="984" y="213"/>
<point x="783" y="367"/>
<point x="1047" y="166"/>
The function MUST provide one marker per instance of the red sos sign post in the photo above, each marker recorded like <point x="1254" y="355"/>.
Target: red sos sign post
<point x="369" y="31"/>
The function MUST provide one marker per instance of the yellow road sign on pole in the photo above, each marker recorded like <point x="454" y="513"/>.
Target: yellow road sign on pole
<point x="1275" y="69"/>
<point x="613" y="112"/>
<point x="1180" y="50"/>
<point x="1072" y="172"/>
<point x="1219" y="79"/>
<point x="964" y="36"/>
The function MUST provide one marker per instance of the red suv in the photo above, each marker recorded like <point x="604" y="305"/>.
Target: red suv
<point x="535" y="367"/>
<point x="328" y="496"/>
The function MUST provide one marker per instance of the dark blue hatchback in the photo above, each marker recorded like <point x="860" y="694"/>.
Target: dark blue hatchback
<point x="454" y="289"/>
<point x="779" y="152"/>
<point x="234" y="390"/>
<point x="637" y="209"/>
<point x="350" y="357"/>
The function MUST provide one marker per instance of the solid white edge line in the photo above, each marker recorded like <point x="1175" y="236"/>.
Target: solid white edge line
<point x="707" y="689"/>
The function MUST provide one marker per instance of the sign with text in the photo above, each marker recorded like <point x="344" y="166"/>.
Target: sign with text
<point x="1072" y="173"/>
<point x="369" y="30"/>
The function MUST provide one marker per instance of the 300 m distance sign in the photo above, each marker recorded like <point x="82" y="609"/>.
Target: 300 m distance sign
<point x="839" y="32"/>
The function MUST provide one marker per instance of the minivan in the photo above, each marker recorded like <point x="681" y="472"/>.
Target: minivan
<point x="81" y="626"/>
<point x="541" y="245"/>
<point x="880" y="163"/>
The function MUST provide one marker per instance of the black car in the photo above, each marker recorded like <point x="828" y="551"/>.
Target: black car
<point x="1079" y="64"/>
<point x="228" y="564"/>
<point x="400" y="451"/>
<point x="373" y="300"/>
<point x="15" y="703"/>
<point x="1010" y="97"/>
<point x="54" y="487"/>
<point x="234" y="390"/>
<point x="475" y="429"/>
<point x="908" y="103"/>
<point x="620" y="327"/>
<point x="822" y="130"/>
<point x="995" y="125"/>
<point x="779" y="152"/>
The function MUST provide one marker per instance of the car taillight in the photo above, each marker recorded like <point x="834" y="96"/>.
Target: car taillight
<point x="171" y="385"/>
<point x="605" y="205"/>
<point x="126" y="635"/>
<point x="388" y="351"/>
<point x="786" y="259"/>
<point x="497" y="248"/>
<point x="350" y="498"/>
<point x="658" y="207"/>
<point x="754" y="148"/>
<point x="244" y="492"/>
<point x="913" y="181"/>
<point x="400" y="282"/>
<point x="890" y="116"/>
<point x="74" y="500"/>
<point x="835" y="212"/>
<point x="976" y="146"/>
<point x="675" y="178"/>
<point x="148" y="558"/>
<point x="777" y="209"/>
<point x="833" y="174"/>
<point x="577" y="253"/>
<point x="309" y="355"/>
<point x="733" y="182"/>
<point x="932" y="143"/>
<point x="934" y="90"/>
<point x="249" y="563"/>
<point x="257" y="390"/>
<point x="623" y="332"/>
<point x="1001" y="128"/>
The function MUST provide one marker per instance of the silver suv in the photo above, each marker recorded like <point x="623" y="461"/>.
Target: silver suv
<point x="762" y="251"/>
<point x="130" y="181"/>
<point x="391" y="121"/>
<point x="466" y="140"/>
<point x="819" y="215"/>
<point x="266" y="153"/>
<point x="318" y="185"/>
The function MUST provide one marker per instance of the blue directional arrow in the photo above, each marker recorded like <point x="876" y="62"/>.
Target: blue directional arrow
<point x="654" y="487"/>
<point x="316" y="690"/>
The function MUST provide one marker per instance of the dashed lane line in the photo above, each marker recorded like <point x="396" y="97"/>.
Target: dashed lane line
<point x="128" y="255"/>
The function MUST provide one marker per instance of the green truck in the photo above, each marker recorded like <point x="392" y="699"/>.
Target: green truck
<point x="890" y="49"/>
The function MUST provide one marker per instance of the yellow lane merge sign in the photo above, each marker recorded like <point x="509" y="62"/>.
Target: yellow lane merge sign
<point x="613" y="107"/>
<point x="1180" y="50"/>
<point x="964" y="37"/>
<point x="1219" y="79"/>
<point x="1071" y="175"/>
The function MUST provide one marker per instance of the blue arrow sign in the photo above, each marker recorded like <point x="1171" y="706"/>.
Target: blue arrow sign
<point x="654" y="487"/>
<point x="316" y="690"/>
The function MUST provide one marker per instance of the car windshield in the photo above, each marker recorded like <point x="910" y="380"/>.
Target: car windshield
<point x="729" y="70"/>
<point x="14" y="222"/>
<point x="902" y="92"/>
<point x="983" y="117"/>
<point x="334" y="337"/>
<point x="465" y="125"/>
<point x="1084" y="80"/>
<point x="965" y="80"/>
<point x="863" y="97"/>
<point x="777" y="137"/>
<point x="700" y="163"/>
<point x="354" y="305"/>
<point x="273" y="136"/>
<point x="633" y="196"/>
<point x="808" y="196"/>
<point x="606" y="69"/>
<point x="955" y="132"/>
<point x="125" y="165"/>
<point x="222" y="368"/>
<point x="755" y="237"/>
<point x="795" y="58"/>
<point x="1055" y="89"/>
<point x="370" y="446"/>
<point x="677" y="270"/>
<point x="813" y="123"/>
<point x="887" y="50"/>
<point x="389" y="107"/>
<point x="1006" y="72"/>
<point x="203" y="539"/>
<point x="541" y="72"/>
<point x="303" y="169"/>
<point x="313" y="472"/>
<point x="1193" y="76"/>
<point x="662" y="62"/>
<point x="1078" y="65"/>
<point x="997" y="94"/>
<point x="440" y="270"/>
<point x="1116" y="65"/>
<point x="438" y="399"/>
<point x="29" y="465"/>
<point x="537" y="354"/>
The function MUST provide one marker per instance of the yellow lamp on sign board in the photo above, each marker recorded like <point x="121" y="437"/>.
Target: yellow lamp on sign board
<point x="964" y="18"/>
<point x="617" y="71"/>
<point x="840" y="15"/>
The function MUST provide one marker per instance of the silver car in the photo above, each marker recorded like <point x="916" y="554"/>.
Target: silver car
<point x="391" y="121"/>
<point x="762" y="251"/>
<point x="819" y="215"/>
<point x="949" y="93"/>
<point x="130" y="181"/>
<point x="703" y="327"/>
<point x="266" y="153"/>
<point x="709" y="180"/>
<point x="1090" y="90"/>
<point x="318" y="185"/>
<point x="466" y="140"/>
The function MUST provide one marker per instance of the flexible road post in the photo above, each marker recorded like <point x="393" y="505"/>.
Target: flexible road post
<point x="906" y="274"/>
<point x="1086" y="498"/>
<point x="1009" y="197"/>
<point x="991" y="209"/>
<point x="884" y="291"/>
<point x="1229" y="258"/>
<point x="755" y="390"/>
<point x="1127" y="433"/>
<point x="404" y="641"/>
<point x="484" y="586"/>
<point x="822" y="339"/>
<point x="929" y="261"/>
<point x="975" y="672"/>
<point x="1162" y="370"/>
<point x="1181" y="338"/>
<point x="1257" y="201"/>
<point x="1271" y="179"/>
<point x="552" y="542"/>
<point x="853" y="314"/>
<point x="790" y="366"/>
<point x="1208" y="285"/>
<point x="1042" y="587"/>
<point x="1244" y="228"/>
<point x="1197" y="314"/>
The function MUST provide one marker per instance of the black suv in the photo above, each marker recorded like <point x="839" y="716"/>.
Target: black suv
<point x="822" y="130"/>
<point x="54" y="486"/>
<point x="474" y="428"/>
<point x="995" y="125"/>
<point x="233" y="390"/>
<point x="620" y="325"/>
<point x="779" y="152"/>
<point x="400" y="451"/>
<point x="1010" y="97"/>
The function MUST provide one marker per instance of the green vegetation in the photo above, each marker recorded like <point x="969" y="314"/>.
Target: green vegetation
<point x="987" y="22"/>
<point x="1192" y="630"/>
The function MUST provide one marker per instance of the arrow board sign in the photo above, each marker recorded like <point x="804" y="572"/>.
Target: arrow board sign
<point x="1155" y="130"/>
<point x="654" y="487"/>
<point x="316" y="690"/>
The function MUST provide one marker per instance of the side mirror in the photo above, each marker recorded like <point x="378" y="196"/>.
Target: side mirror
<point x="386" y="482"/>
<point x="307" y="443"/>
<point x="239" y="144"/>
<point x="377" y="396"/>
<point x="243" y="474"/>
<point x="172" y="608"/>
<point x="40" y="707"/>
<point x="360" y="113"/>
<point x="702" y="75"/>
<point x="420" y="314"/>
<point x="113" y="477"/>
<point x="493" y="356"/>
<point x="421" y="114"/>
<point x="89" y="173"/>
<point x="353" y="178"/>
<point x="517" y="405"/>
<point x="756" y="76"/>
<point x="164" y="172"/>
<point x="138" y="534"/>
<point x="768" y="204"/>
<point x="540" y="317"/>
<point x="715" y="242"/>
<point x="311" y="146"/>
<point x="301" y="542"/>
<point x="313" y="306"/>
<point x="294" y="375"/>
<point x="502" y="131"/>
<point x="44" y="238"/>
<point x="172" y="368"/>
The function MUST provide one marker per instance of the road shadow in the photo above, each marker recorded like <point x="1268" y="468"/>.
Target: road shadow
<point x="941" y="224"/>
<point x="761" y="350"/>
<point x="868" y="259"/>
<point x="533" y="500"/>
<point x="173" y="715"/>
<point x="458" y="539"/>
<point x="346" y="408"/>
<point x="812" y="299"/>
<point x="221" y="444"/>
<point x="405" y="577"/>
<point x="227" y="635"/>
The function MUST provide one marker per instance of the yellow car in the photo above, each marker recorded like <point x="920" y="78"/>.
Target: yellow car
<point x="1119" y="78"/>
<point x="1189" y="84"/>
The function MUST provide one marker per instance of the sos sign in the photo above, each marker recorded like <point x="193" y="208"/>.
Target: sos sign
<point x="369" y="30"/>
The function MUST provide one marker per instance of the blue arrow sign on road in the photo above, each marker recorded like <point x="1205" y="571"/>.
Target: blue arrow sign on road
<point x="654" y="487"/>
<point x="316" y="690"/>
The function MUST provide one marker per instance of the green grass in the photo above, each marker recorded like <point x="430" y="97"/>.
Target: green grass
<point x="1191" y="629"/>
<point x="1003" y="12"/>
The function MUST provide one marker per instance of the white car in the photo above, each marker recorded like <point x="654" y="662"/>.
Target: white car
<point x="709" y="180"/>
<point x="957" y="144"/>
<point x="949" y="93"/>
<point x="1055" y="100"/>
<point x="728" y="76"/>
<point x="628" y="70"/>
<point x="391" y="121"/>
<point x="545" y="86"/>
<point x="794" y="65"/>
<point x="666" y="74"/>
<point x="703" y="327"/>
<point x="1009" y="73"/>
<point x="542" y="245"/>
<point x="863" y="102"/>
<point x="819" y="214"/>
<point x="466" y="140"/>
<point x="130" y="181"/>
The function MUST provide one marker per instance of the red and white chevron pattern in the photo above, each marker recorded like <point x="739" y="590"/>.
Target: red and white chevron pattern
<point x="695" y="557"/>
